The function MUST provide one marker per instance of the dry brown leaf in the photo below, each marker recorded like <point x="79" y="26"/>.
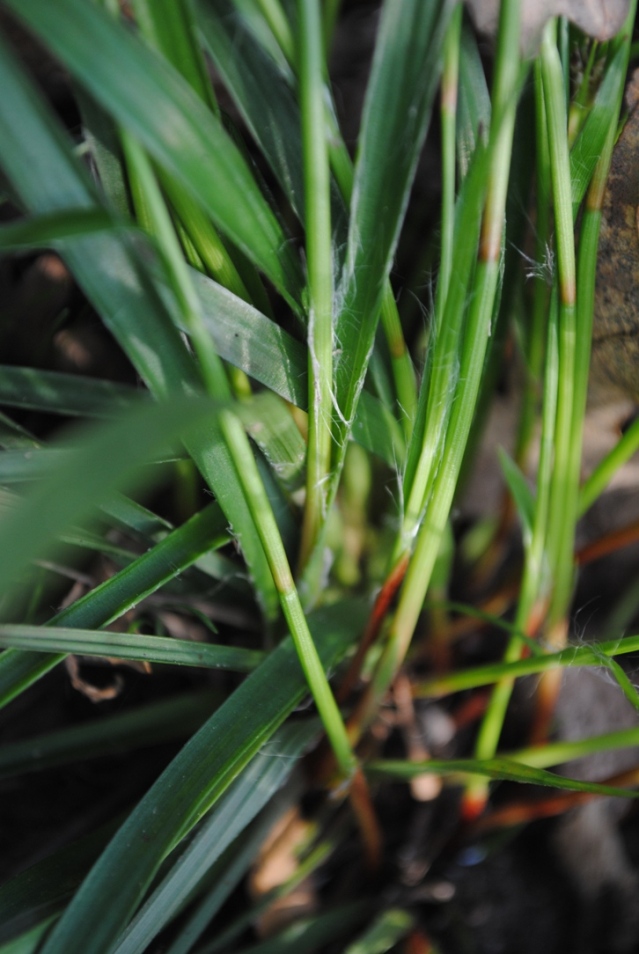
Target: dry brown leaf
<point x="277" y="862"/>
<point x="600" y="19"/>
<point x="94" y="693"/>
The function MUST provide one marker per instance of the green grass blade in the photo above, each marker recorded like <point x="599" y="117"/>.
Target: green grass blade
<point x="151" y="724"/>
<point x="102" y="139"/>
<point x="48" y="177"/>
<point x="593" y="655"/>
<point x="520" y="491"/>
<point x="320" y="266"/>
<point x="403" y="82"/>
<point x="149" y="98"/>
<point x="590" y="142"/>
<point x="29" y="942"/>
<point x="41" y="231"/>
<point x="247" y="796"/>
<point x="153" y="649"/>
<point x="169" y="26"/>
<point x="261" y="91"/>
<point x="249" y="340"/>
<point x="268" y="531"/>
<point x="190" y="786"/>
<point x="503" y="769"/>
<point x="312" y="934"/>
<point x="270" y="424"/>
<point x="386" y="931"/>
<point x="58" y="393"/>
<point x="227" y="873"/>
<point x="109" y="459"/>
<point x="40" y="892"/>
<point x="474" y="107"/>
<point x="115" y="596"/>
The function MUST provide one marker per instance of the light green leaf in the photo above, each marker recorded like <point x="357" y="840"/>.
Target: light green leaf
<point x="473" y="104"/>
<point x="152" y="649"/>
<point x="504" y="769"/>
<point x="386" y="931"/>
<point x="521" y="492"/>
<point x="589" y="144"/>
<point x="250" y="341"/>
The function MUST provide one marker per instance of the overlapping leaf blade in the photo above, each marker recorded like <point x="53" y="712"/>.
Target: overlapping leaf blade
<point x="105" y="603"/>
<point x="404" y="78"/>
<point x="152" y="100"/>
<point x="189" y="787"/>
<point x="230" y="816"/>
<point x="47" y="178"/>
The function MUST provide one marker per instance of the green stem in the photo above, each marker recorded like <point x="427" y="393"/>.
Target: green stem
<point x="149" y="202"/>
<point x="472" y="357"/>
<point x="605" y="470"/>
<point x="342" y="168"/>
<point x="277" y="20"/>
<point x="565" y="479"/>
<point x="266" y="526"/>
<point x="448" y="111"/>
<point x="571" y="656"/>
<point x="317" y="205"/>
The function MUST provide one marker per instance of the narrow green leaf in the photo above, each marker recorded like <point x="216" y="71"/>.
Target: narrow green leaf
<point x="504" y="769"/>
<point x="155" y="723"/>
<point x="312" y="934"/>
<point x="104" y="145"/>
<point x="262" y="92"/>
<point x="226" y="874"/>
<point x="404" y="78"/>
<point x="108" y="459"/>
<point x="153" y="649"/>
<point x="485" y="675"/>
<point x="190" y="786"/>
<point x="28" y="943"/>
<point x="60" y="393"/>
<point x="169" y="27"/>
<point x="41" y="231"/>
<point x="250" y="341"/>
<point x="156" y="104"/>
<point x="232" y="813"/>
<point x="13" y="436"/>
<point x="473" y="104"/>
<point x="47" y="178"/>
<point x="521" y="492"/>
<point x="118" y="594"/>
<point x="386" y="931"/>
<point x="271" y="425"/>
<point x="589" y="145"/>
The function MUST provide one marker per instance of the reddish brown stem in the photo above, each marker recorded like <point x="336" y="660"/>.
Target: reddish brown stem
<point x="376" y="619"/>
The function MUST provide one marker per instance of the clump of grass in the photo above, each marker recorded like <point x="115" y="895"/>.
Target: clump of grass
<point x="277" y="373"/>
